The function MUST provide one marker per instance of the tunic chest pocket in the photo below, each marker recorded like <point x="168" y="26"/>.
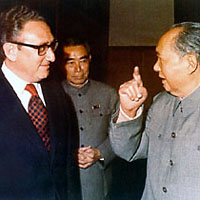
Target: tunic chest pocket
<point x="154" y="129"/>
<point x="99" y="111"/>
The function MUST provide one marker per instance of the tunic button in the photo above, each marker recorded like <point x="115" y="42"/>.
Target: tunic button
<point x="81" y="111"/>
<point x="173" y="135"/>
<point x="79" y="95"/>
<point x="81" y="128"/>
<point x="171" y="162"/>
<point x="164" y="189"/>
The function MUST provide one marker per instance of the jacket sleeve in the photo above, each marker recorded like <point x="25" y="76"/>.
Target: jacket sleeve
<point x="127" y="138"/>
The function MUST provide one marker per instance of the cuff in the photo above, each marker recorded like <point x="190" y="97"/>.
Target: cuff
<point x="124" y="117"/>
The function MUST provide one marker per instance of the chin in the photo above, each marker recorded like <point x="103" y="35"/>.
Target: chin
<point x="166" y="89"/>
<point x="43" y="76"/>
<point x="78" y="81"/>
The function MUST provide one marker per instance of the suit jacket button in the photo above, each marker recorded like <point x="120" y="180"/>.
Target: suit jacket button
<point x="81" y="128"/>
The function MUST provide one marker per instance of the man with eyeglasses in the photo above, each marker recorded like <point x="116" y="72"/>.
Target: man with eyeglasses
<point x="94" y="103"/>
<point x="42" y="49"/>
<point x="37" y="134"/>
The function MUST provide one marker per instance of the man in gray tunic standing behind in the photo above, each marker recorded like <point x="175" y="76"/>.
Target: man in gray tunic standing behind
<point x="94" y="103"/>
<point x="171" y="137"/>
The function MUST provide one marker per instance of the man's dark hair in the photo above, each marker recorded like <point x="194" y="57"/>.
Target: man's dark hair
<point x="76" y="41"/>
<point x="13" y="20"/>
<point x="188" y="39"/>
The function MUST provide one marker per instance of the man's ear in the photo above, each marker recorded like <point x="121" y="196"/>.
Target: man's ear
<point x="10" y="51"/>
<point x="192" y="63"/>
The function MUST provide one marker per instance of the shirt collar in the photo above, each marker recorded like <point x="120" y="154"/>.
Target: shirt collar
<point x="78" y="87"/>
<point x="15" y="81"/>
<point x="73" y="90"/>
<point x="189" y="104"/>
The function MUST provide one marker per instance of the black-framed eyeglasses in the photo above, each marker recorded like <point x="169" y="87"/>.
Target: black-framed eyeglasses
<point x="42" y="49"/>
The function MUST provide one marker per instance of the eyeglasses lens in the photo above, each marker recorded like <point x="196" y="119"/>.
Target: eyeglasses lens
<point x="44" y="48"/>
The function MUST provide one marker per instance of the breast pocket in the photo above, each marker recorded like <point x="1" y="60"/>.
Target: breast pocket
<point x="99" y="111"/>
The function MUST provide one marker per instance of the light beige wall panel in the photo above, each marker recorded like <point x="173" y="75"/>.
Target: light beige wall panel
<point x="139" y="22"/>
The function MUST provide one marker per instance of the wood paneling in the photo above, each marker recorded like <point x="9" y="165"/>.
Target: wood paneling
<point x="121" y="61"/>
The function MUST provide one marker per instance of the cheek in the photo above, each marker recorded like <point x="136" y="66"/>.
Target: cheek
<point x="36" y="63"/>
<point x="166" y="71"/>
<point x="86" y="69"/>
<point x="173" y="80"/>
<point x="69" y="71"/>
<point x="69" y="74"/>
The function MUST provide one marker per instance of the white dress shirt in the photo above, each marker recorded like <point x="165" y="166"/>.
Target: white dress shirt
<point x="19" y="85"/>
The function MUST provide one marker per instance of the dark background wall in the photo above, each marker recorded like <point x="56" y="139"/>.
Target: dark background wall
<point x="186" y="10"/>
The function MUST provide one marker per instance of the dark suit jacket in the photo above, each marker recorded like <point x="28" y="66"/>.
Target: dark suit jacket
<point x="27" y="170"/>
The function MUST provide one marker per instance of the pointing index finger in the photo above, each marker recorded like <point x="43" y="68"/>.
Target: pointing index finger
<point x="136" y="71"/>
<point x="137" y="77"/>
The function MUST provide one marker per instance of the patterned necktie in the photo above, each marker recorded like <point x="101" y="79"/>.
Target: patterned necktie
<point x="38" y="115"/>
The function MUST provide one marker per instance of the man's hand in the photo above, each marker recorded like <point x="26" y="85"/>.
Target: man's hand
<point x="132" y="94"/>
<point x="87" y="156"/>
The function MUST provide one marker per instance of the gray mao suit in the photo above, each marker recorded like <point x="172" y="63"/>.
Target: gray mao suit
<point x="171" y="140"/>
<point x="95" y="103"/>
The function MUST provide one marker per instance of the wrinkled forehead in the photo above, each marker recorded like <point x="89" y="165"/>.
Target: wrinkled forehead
<point x="36" y="30"/>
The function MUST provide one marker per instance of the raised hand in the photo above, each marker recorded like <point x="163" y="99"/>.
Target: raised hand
<point x="132" y="94"/>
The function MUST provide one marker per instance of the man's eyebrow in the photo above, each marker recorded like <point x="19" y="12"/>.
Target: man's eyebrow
<point x="67" y="59"/>
<point x="45" y="43"/>
<point x="86" y="56"/>
<point x="82" y="57"/>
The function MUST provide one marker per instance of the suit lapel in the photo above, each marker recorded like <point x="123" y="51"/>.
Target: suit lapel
<point x="58" y="122"/>
<point x="14" y="113"/>
<point x="51" y="103"/>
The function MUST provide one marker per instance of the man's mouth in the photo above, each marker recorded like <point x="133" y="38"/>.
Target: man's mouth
<point x="78" y="77"/>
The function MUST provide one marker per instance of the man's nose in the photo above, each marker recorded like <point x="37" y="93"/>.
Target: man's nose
<point x="78" y="66"/>
<point x="50" y="55"/>
<point x="156" y="67"/>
